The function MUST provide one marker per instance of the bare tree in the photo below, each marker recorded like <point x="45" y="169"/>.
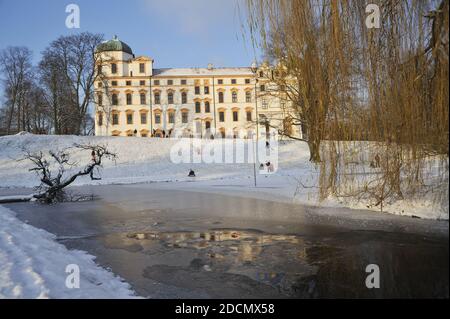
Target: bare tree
<point x="53" y="181"/>
<point x="57" y="92"/>
<point x="38" y="119"/>
<point x="69" y="65"/>
<point x="15" y="64"/>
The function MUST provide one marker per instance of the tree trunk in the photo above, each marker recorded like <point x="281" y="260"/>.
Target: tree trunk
<point x="314" y="150"/>
<point x="9" y="121"/>
<point x="55" y="115"/>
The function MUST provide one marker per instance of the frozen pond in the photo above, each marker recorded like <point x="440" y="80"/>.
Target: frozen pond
<point x="180" y="244"/>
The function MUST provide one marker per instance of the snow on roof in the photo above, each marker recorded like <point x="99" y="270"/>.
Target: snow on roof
<point x="245" y="71"/>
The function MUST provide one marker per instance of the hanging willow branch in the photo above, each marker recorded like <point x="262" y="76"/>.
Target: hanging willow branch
<point x="364" y="94"/>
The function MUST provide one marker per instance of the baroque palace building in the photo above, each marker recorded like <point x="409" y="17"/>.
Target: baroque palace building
<point x="135" y="99"/>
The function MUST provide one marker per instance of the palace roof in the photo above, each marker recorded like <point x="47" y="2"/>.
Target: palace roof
<point x="114" y="45"/>
<point x="240" y="71"/>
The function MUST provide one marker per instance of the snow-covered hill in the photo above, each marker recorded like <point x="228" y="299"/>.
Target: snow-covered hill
<point x="139" y="160"/>
<point x="144" y="160"/>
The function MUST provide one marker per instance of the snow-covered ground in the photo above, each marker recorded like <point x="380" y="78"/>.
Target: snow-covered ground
<point x="33" y="265"/>
<point x="144" y="160"/>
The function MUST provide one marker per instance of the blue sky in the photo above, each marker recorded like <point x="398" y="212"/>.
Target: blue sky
<point x="175" y="33"/>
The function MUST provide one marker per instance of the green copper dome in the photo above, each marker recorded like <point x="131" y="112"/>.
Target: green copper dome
<point x="114" y="45"/>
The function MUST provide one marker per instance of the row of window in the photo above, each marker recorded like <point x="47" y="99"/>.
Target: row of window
<point x="171" y="117"/>
<point x="171" y="82"/>
<point x="170" y="98"/>
<point x="127" y="83"/>
<point x="184" y="97"/>
<point x="184" y="82"/>
<point x="114" y="68"/>
<point x="187" y="133"/>
<point x="197" y="89"/>
<point x="115" y="99"/>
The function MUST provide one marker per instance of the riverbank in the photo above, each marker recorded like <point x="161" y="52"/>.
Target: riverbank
<point x="34" y="266"/>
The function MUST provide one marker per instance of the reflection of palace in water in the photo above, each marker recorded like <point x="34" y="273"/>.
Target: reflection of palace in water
<point x="303" y="268"/>
<point x="247" y="245"/>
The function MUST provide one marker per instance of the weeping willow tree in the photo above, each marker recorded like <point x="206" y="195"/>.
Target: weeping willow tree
<point x="316" y="76"/>
<point x="374" y="100"/>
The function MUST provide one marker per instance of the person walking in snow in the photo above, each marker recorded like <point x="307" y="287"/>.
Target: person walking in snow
<point x="269" y="167"/>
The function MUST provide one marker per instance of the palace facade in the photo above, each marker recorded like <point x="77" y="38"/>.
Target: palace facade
<point x="135" y="99"/>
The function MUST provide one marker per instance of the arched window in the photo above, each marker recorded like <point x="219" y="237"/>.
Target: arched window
<point x="198" y="108"/>
<point x="249" y="115"/>
<point x="234" y="97"/>
<point x="171" y="117"/>
<point x="113" y="68"/>
<point x="100" y="119"/>
<point x="115" y="118"/>
<point x="184" y="117"/>
<point x="129" y="99"/>
<point x="170" y="97"/>
<point x="157" y="98"/>
<point x="143" y="99"/>
<point x="221" y="116"/>
<point x="220" y="97"/>
<point x="143" y="117"/>
<point x="114" y="99"/>
<point x="158" y="118"/>
<point x="235" y="116"/>
<point x="248" y="96"/>
<point x="207" y="107"/>
<point x="183" y="98"/>
<point x="130" y="118"/>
